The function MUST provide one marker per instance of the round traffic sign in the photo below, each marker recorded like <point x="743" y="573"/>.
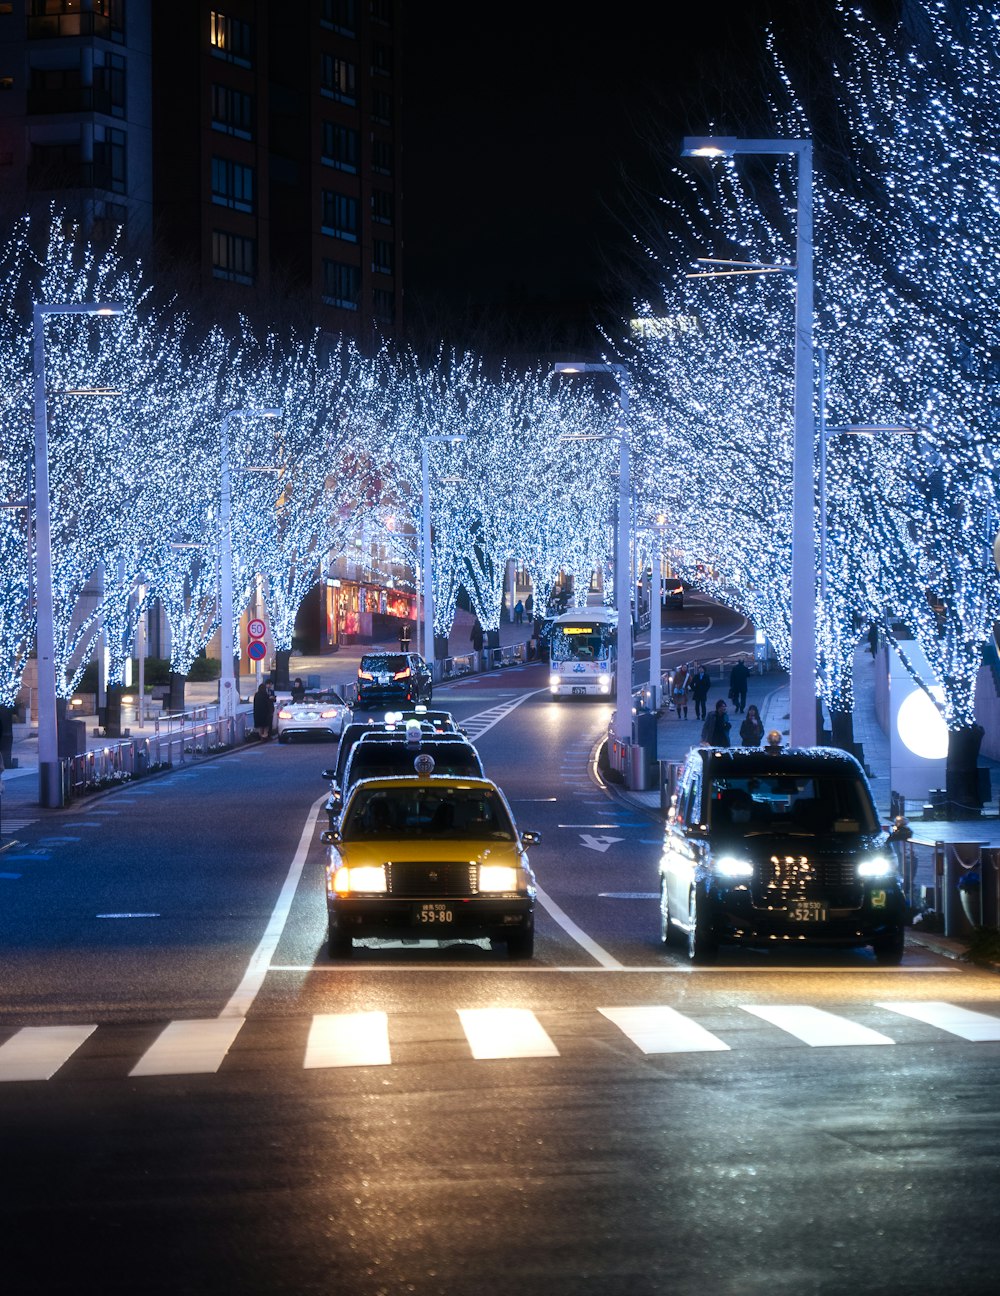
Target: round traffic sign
<point x="256" y="629"/>
<point x="256" y="650"/>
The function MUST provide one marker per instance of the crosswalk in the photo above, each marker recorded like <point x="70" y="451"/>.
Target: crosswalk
<point x="366" y="1039"/>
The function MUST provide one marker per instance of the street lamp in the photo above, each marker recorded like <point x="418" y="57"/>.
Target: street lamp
<point x="50" y="789"/>
<point x="426" y="520"/>
<point x="655" y="638"/>
<point x="802" y="675"/>
<point x="227" y="682"/>
<point x="623" y="676"/>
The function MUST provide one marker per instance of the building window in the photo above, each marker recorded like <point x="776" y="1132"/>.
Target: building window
<point x="231" y="39"/>
<point x="109" y="159"/>
<point x="384" y="304"/>
<point x="382" y="156"/>
<point x="382" y="257"/>
<point x="381" y="59"/>
<point x="338" y="78"/>
<point x="233" y="258"/>
<point x="232" y="184"/>
<point x="381" y="11"/>
<point x="382" y="107"/>
<point x="341" y="15"/>
<point x="340" y="147"/>
<point x="109" y="84"/>
<point x="339" y="216"/>
<point x="382" y="207"/>
<point x="341" y="285"/>
<point x="232" y="111"/>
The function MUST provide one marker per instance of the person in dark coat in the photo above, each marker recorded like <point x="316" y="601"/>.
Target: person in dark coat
<point x="263" y="711"/>
<point x="298" y="690"/>
<point x="701" y="682"/>
<point x="715" y="730"/>
<point x="476" y="635"/>
<point x="752" y="728"/>
<point x="738" y="678"/>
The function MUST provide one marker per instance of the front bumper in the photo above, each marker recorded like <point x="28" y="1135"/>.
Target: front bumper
<point x="493" y="917"/>
<point x="733" y="917"/>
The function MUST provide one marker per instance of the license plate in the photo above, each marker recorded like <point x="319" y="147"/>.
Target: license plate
<point x="433" y="915"/>
<point x="807" y="911"/>
<point x="579" y="690"/>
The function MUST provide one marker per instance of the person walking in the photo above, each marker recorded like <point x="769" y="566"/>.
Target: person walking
<point x="715" y="730"/>
<point x="680" y="690"/>
<point x="739" y="677"/>
<point x="476" y="635"/>
<point x="263" y="711"/>
<point x="752" y="728"/>
<point x="701" y="682"/>
<point x="518" y="612"/>
<point x="529" y="607"/>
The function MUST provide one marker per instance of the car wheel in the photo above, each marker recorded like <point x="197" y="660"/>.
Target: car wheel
<point x="338" y="942"/>
<point x="667" y="934"/>
<point x="521" y="944"/>
<point x="702" y="944"/>
<point x="889" y="949"/>
<point x="282" y="738"/>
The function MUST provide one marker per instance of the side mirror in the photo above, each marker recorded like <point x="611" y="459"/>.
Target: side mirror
<point x="531" y="838"/>
<point x="329" y="773"/>
<point x="330" y="837"/>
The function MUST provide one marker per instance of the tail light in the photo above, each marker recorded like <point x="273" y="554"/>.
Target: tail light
<point x="284" y="715"/>
<point x="363" y="674"/>
<point x="403" y="674"/>
<point x="328" y="715"/>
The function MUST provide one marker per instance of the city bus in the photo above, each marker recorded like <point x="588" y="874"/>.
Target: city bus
<point x="582" y="653"/>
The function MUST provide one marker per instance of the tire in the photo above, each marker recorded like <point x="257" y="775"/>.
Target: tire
<point x="338" y="942"/>
<point x="703" y="948"/>
<point x="521" y="944"/>
<point x="889" y="949"/>
<point x="282" y="738"/>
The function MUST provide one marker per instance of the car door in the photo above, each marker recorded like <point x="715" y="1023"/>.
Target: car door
<point x="685" y="843"/>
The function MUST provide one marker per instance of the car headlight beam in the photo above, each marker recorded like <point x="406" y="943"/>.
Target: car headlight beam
<point x="731" y="866"/>
<point x="497" y="877"/>
<point x="879" y="866"/>
<point x="367" y="878"/>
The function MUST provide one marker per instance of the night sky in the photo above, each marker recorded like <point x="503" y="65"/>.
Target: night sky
<point x="516" y="135"/>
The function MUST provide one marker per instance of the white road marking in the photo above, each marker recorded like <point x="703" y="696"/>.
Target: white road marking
<point x="658" y="1029"/>
<point x="189" y="1047"/>
<point x="964" y="1022"/>
<point x="576" y="933"/>
<point x="348" y="1039"/>
<point x="505" y="1033"/>
<point x="598" y="843"/>
<point x="814" y="1026"/>
<point x="37" y="1052"/>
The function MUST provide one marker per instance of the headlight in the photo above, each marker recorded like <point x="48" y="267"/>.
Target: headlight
<point x="497" y="877"/>
<point x="730" y="866"/>
<point x="879" y="866"/>
<point x="604" y="681"/>
<point x="553" y="681"/>
<point x="366" y="877"/>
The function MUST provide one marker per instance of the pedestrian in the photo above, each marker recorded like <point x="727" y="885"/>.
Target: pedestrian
<point x="680" y="690"/>
<point x="752" y="728"/>
<point x="476" y="635"/>
<point x="298" y="690"/>
<point x="715" y="730"/>
<point x="273" y="699"/>
<point x="701" y="682"/>
<point x="263" y="711"/>
<point x="529" y="607"/>
<point x="738" y="679"/>
<point x="873" y="639"/>
<point x="518" y="612"/>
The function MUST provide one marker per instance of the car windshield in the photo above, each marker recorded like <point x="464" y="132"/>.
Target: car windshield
<point x="475" y="814"/>
<point x="799" y="804"/>
<point x="326" y="697"/>
<point x="384" y="662"/>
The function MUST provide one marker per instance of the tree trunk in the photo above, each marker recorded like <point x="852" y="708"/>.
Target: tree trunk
<point x="282" y="660"/>
<point x="175" y="702"/>
<point x="842" y="726"/>
<point x="961" y="774"/>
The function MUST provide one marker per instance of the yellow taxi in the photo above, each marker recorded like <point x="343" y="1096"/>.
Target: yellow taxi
<point x="429" y="856"/>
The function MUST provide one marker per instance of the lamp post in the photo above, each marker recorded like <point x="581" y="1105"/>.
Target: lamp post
<point x="655" y="622"/>
<point x="426" y="527"/>
<point x="623" y="676"/>
<point x="227" y="685"/>
<point x="50" y="790"/>
<point x="802" y="675"/>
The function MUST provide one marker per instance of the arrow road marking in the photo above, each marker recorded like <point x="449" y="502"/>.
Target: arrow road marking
<point x="599" y="843"/>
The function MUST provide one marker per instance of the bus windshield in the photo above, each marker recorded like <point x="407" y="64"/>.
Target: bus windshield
<point x="581" y="641"/>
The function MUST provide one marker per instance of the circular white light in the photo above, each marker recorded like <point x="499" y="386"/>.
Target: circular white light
<point x="920" y="726"/>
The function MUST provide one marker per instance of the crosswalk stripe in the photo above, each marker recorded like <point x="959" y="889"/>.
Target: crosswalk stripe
<point x="37" y="1052"/>
<point x="348" y="1039"/>
<point x="189" y="1047"/>
<point x="505" y="1033"/>
<point x="968" y="1025"/>
<point x="814" y="1026"/>
<point x="658" y="1029"/>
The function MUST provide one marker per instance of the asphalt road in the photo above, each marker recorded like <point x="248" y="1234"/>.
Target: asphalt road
<point x="194" y="1098"/>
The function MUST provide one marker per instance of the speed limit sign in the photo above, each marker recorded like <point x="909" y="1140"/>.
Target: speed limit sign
<point x="256" y="629"/>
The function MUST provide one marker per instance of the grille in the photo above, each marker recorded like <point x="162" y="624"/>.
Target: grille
<point x="450" y="878"/>
<point x="800" y="877"/>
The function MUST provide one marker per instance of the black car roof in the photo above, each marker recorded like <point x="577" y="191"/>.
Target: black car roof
<point x="790" y="760"/>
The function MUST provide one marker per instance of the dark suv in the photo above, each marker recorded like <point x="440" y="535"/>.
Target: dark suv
<point x="393" y="677"/>
<point x="778" y="849"/>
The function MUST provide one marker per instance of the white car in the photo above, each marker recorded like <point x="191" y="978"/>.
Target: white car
<point x="320" y="714"/>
